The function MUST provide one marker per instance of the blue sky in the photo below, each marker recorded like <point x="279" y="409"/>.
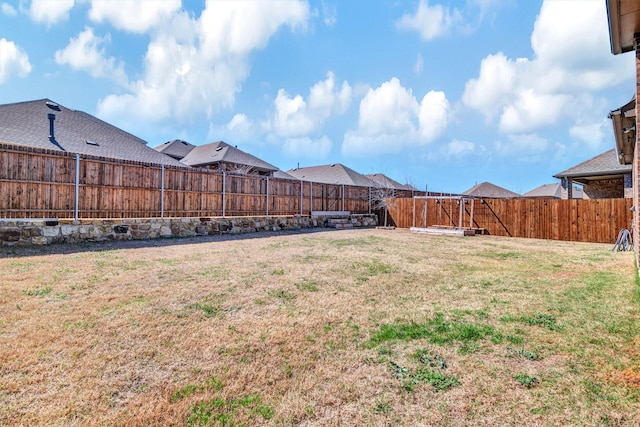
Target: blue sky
<point x="444" y="94"/>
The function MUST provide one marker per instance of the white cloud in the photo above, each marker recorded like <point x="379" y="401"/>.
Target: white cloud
<point x="329" y="13"/>
<point x="295" y="117"/>
<point x="132" y="15"/>
<point x="391" y="120"/>
<point x="307" y="148"/>
<point x="591" y="133"/>
<point x="571" y="60"/>
<point x="418" y="67"/>
<point x="240" y="129"/>
<point x="389" y="109"/>
<point x="429" y="21"/>
<point x="532" y="110"/>
<point x="50" y="12"/>
<point x="87" y="53"/>
<point x="195" y="66"/>
<point x="238" y="27"/>
<point x="239" y="123"/>
<point x="13" y="61"/>
<point x="527" y="148"/>
<point x="458" y="149"/>
<point x="434" y="115"/>
<point x="8" y="10"/>
<point x="491" y="90"/>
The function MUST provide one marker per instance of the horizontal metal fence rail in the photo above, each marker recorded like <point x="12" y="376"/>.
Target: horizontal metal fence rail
<point x="40" y="183"/>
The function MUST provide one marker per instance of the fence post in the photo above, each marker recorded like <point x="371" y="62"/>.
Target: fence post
<point x="267" y="196"/>
<point x="471" y="216"/>
<point x="162" y="191"/>
<point x="369" y="201"/>
<point x="224" y="182"/>
<point x="301" y="188"/>
<point x="77" y="188"/>
<point x="310" y="197"/>
<point x="413" y="212"/>
<point x="342" y="197"/>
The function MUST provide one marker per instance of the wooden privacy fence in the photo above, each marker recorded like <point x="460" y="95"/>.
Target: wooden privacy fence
<point x="39" y="183"/>
<point x="596" y="220"/>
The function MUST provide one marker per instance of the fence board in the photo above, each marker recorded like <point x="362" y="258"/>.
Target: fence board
<point x="598" y="220"/>
<point x="36" y="183"/>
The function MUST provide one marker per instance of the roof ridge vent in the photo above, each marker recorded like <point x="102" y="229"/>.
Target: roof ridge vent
<point x="52" y="105"/>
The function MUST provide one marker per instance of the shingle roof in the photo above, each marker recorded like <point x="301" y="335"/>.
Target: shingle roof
<point x="553" y="190"/>
<point x="220" y="151"/>
<point x="332" y="174"/>
<point x="487" y="189"/>
<point x="283" y="175"/>
<point x="385" y="182"/>
<point x="27" y="123"/>
<point x="602" y="166"/>
<point x="176" y="148"/>
<point x="546" y="190"/>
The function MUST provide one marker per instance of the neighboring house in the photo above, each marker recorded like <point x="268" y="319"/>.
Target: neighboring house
<point x="177" y="148"/>
<point x="384" y="181"/>
<point x="553" y="191"/>
<point x="283" y="175"/>
<point x="218" y="156"/>
<point x="489" y="190"/>
<point x="332" y="174"/>
<point x="46" y="124"/>
<point x="601" y="177"/>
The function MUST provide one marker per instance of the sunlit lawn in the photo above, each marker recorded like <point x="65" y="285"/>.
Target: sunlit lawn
<point x="366" y="327"/>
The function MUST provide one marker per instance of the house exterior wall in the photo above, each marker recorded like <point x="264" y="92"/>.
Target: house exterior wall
<point x="628" y="186"/>
<point x="604" y="189"/>
<point x="635" y="167"/>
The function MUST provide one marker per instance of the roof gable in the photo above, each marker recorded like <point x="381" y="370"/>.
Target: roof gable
<point x="217" y="152"/>
<point x="385" y="182"/>
<point x="177" y="148"/>
<point x="555" y="190"/>
<point x="28" y="124"/>
<point x="283" y="175"/>
<point x="487" y="189"/>
<point x="332" y="174"/>
<point x="602" y="166"/>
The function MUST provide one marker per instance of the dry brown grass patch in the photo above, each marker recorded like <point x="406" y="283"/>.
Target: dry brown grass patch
<point x="278" y="330"/>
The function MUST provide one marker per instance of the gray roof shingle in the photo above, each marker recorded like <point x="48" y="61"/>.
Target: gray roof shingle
<point x="553" y="190"/>
<point x="283" y="175"/>
<point x="487" y="189"/>
<point x="600" y="166"/>
<point x="384" y="181"/>
<point x="332" y="174"/>
<point x="177" y="148"/>
<point x="220" y="151"/>
<point x="27" y="123"/>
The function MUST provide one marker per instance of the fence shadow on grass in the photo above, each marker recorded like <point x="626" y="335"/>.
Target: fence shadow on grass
<point x="110" y="245"/>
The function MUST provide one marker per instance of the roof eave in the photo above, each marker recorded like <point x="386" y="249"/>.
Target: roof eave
<point x="613" y="16"/>
<point x="625" y="140"/>
<point x="603" y="174"/>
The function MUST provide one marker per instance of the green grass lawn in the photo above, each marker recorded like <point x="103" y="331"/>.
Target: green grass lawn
<point x="358" y="327"/>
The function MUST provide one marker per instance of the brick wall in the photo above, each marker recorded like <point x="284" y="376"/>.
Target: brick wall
<point x="635" y="166"/>
<point x="605" y="189"/>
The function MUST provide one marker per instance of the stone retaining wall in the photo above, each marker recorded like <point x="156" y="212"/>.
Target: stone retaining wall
<point x="43" y="232"/>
